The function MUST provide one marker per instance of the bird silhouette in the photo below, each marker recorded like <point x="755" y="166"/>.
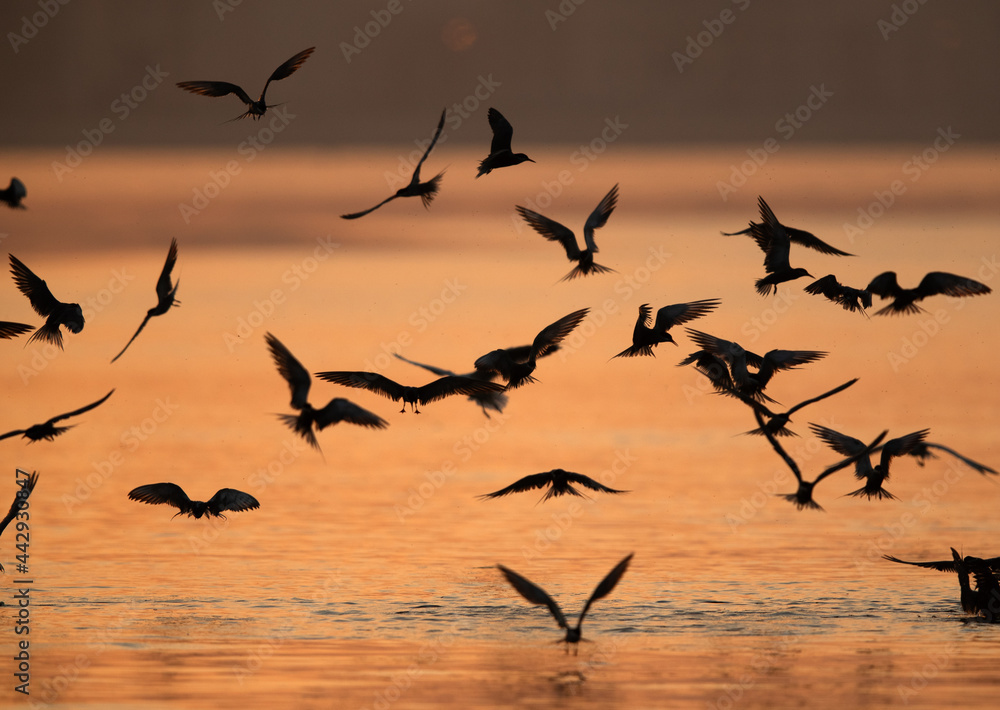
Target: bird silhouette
<point x="13" y="194"/>
<point x="646" y="335"/>
<point x="555" y="232"/>
<point x="798" y="236"/>
<point x="337" y="409"/>
<point x="536" y="595"/>
<point x="922" y="451"/>
<point x="501" y="155"/>
<point x="935" y="283"/>
<point x="414" y="396"/>
<point x="517" y="371"/>
<point x="851" y="299"/>
<point x="973" y="600"/>
<point x="257" y="108"/>
<point x="777" y="424"/>
<point x="45" y="304"/>
<point x="26" y="486"/>
<point x="425" y="190"/>
<point x="172" y="494"/>
<point x="48" y="430"/>
<point x="775" y="241"/>
<point x="165" y="293"/>
<point x="873" y="476"/>
<point x="559" y="483"/>
<point x="9" y="329"/>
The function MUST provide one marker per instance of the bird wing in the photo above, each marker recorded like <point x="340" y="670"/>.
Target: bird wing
<point x="165" y="290"/>
<point x="9" y="329"/>
<point x="344" y="410"/>
<point x="590" y="483"/>
<point x="900" y="446"/>
<point x="454" y="384"/>
<point x="678" y="313"/>
<point x="215" y="88"/>
<point x="841" y="443"/>
<point x="553" y="334"/>
<point x="287" y="69"/>
<point x="789" y="461"/>
<point x="808" y="239"/>
<point x="827" y="286"/>
<point x="355" y="215"/>
<point x="817" y="398"/>
<point x="19" y="500"/>
<point x="503" y="132"/>
<point x="33" y="287"/>
<point x="495" y="362"/>
<point x="776" y="360"/>
<point x="885" y="285"/>
<point x="81" y="410"/>
<point x="439" y="371"/>
<point x="231" y="499"/>
<point x="981" y="468"/>
<point x="939" y="282"/>
<point x="291" y="369"/>
<point x="372" y="381"/>
<point x="851" y="459"/>
<point x="136" y="335"/>
<point x="599" y="217"/>
<point x="941" y="566"/>
<point x="533" y="593"/>
<point x="167" y="493"/>
<point x="437" y="133"/>
<point x="607" y="584"/>
<point x="551" y="230"/>
<point x="645" y="318"/>
<point x="528" y="483"/>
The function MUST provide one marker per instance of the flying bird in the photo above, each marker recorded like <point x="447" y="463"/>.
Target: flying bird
<point x="257" y="108"/>
<point x="536" y="595"/>
<point x="776" y="243"/>
<point x="935" y="283"/>
<point x="973" y="600"/>
<point x="165" y="294"/>
<point x="9" y="329"/>
<point x="501" y="155"/>
<point x="337" y="409"/>
<point x="26" y="486"/>
<point x="425" y="190"/>
<point x="777" y="424"/>
<point x="414" y="396"/>
<point x="922" y="451"/>
<point x="555" y="232"/>
<point x="45" y="304"/>
<point x="517" y="371"/>
<point x="172" y="494"/>
<point x="873" y="476"/>
<point x="646" y="335"/>
<point x="851" y="299"/>
<point x="559" y="482"/>
<point x="798" y="236"/>
<point x="48" y="430"/>
<point x="486" y="400"/>
<point x="14" y="193"/>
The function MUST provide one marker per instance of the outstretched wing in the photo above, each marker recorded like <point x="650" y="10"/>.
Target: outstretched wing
<point x="165" y="493"/>
<point x="33" y="287"/>
<point x="599" y="217"/>
<point x="885" y="285"/>
<point x="291" y="369"/>
<point x="439" y="371"/>
<point x="940" y="566"/>
<point x="534" y="594"/>
<point x="231" y="499"/>
<point x="9" y="329"/>
<point x="437" y="133"/>
<point x="344" y="410"/>
<point x="215" y="88"/>
<point x="455" y="384"/>
<point x="503" y="132"/>
<point x="588" y="482"/>
<point x="553" y="334"/>
<point x="979" y="467"/>
<point x="678" y="313"/>
<point x="817" y="398"/>
<point x="355" y="215"/>
<point x="939" y="282"/>
<point x="900" y="446"/>
<point x="134" y="336"/>
<point x="606" y="585"/>
<point x="164" y="288"/>
<point x="551" y="230"/>
<point x="528" y="483"/>
<point x="841" y="443"/>
<point x="81" y="410"/>
<point x="19" y="500"/>
<point x="287" y="69"/>
<point x="372" y="381"/>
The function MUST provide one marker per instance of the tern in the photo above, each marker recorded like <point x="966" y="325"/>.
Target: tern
<point x="165" y="294"/>
<point x="45" y="304"/>
<point x="501" y="155"/>
<point x="172" y="494"/>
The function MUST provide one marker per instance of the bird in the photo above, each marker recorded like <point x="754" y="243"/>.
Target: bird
<point x="172" y="494"/>
<point x="45" y="304"/>
<point x="775" y="241"/>
<point x="47" y="430"/>
<point x="646" y="335"/>
<point x="9" y="329"/>
<point x="501" y="155"/>
<point x="26" y="486"/>
<point x="257" y="108"/>
<point x="536" y="595"/>
<point x="425" y="190"/>
<point x="973" y="600"/>
<point x="559" y="482"/>
<point x="13" y="194"/>
<point x="935" y="283"/>
<point x="165" y="294"/>
<point x="802" y="498"/>
<point x="517" y="371"/>
<point x="555" y="232"/>
<point x="922" y="451"/>
<point x="414" y="396"/>
<point x="798" y="236"/>
<point x="851" y="299"/>
<point x="336" y="410"/>
<point x="777" y="424"/>
<point x="863" y="469"/>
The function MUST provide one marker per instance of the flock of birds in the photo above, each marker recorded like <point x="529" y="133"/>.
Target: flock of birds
<point x="732" y="370"/>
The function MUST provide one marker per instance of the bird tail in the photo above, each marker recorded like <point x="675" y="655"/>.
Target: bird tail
<point x="635" y="351"/>
<point x="895" y="309"/>
<point x="880" y="493"/>
<point x="516" y="382"/>
<point x="428" y="190"/>
<point x="301" y="426"/>
<point x="594" y="268"/>
<point x="49" y="333"/>
<point x="793" y="498"/>
<point x="781" y="431"/>
<point x="764" y="286"/>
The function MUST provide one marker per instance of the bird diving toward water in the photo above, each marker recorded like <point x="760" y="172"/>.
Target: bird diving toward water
<point x="976" y="600"/>
<point x="501" y="155"/>
<point x="873" y="476"/>
<point x="165" y="294"/>
<point x="9" y="329"/>
<point x="777" y="424"/>
<point x="337" y="409"/>
<point x="47" y="430"/>
<point x="536" y="595"/>
<point x="257" y="108"/>
<point x="559" y="483"/>
<point x="13" y="194"/>
<point x="517" y="371"/>
<point x="425" y="190"/>
<point x="172" y="494"/>
<point x="646" y="335"/>
<point x="935" y="283"/>
<point x="26" y="486"/>
<point x="414" y="396"/>
<point x="45" y="304"/>
<point x="850" y="299"/>
<point x="555" y="232"/>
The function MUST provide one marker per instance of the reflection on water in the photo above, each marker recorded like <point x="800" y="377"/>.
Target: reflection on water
<point x="367" y="578"/>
